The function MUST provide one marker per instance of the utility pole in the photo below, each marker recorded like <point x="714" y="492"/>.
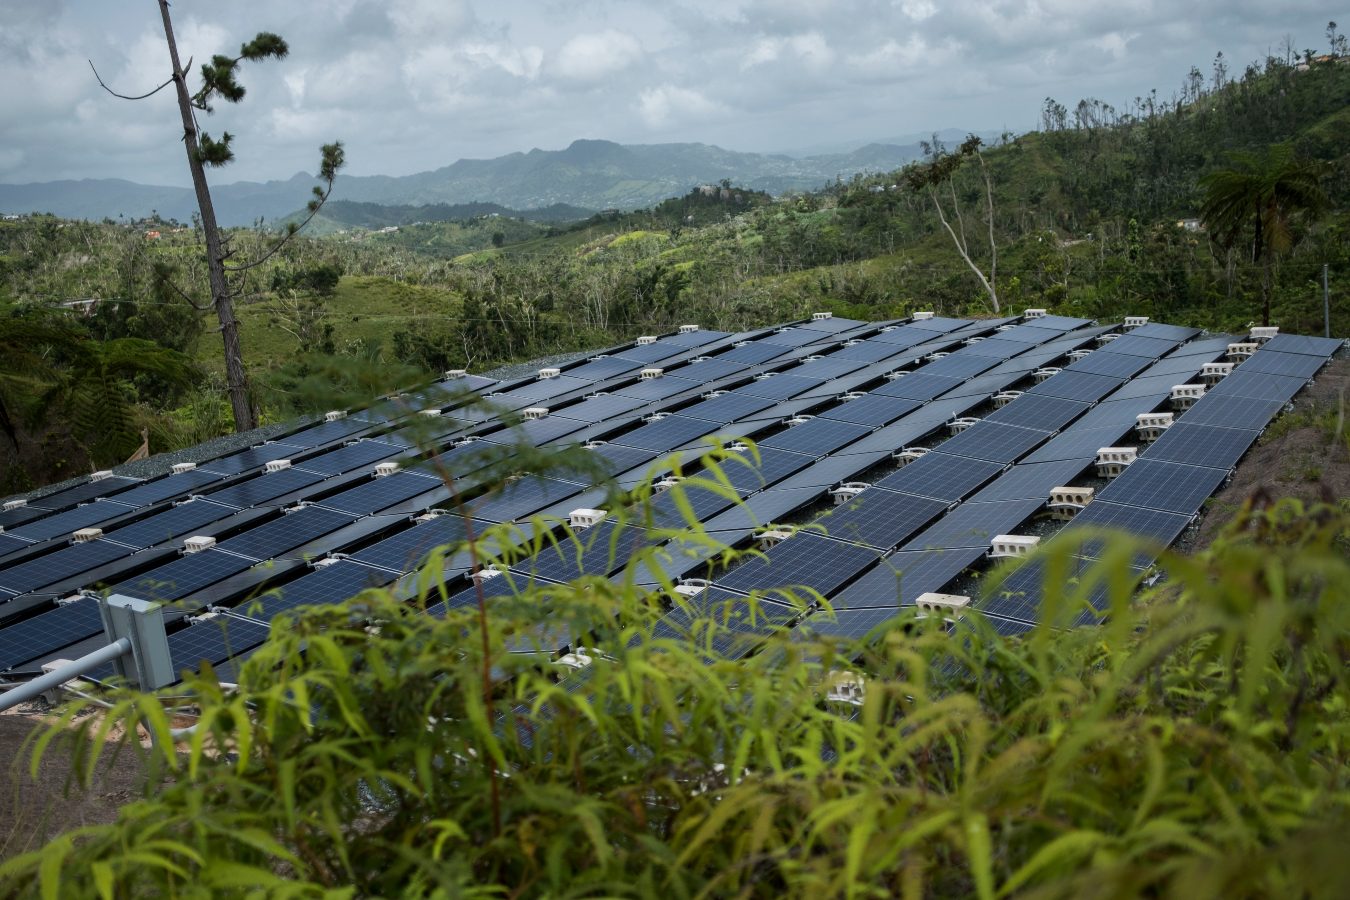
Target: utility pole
<point x="1326" y="302"/>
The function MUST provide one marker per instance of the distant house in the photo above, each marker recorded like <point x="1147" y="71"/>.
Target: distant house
<point x="12" y="217"/>
<point x="1192" y="225"/>
<point x="152" y="235"/>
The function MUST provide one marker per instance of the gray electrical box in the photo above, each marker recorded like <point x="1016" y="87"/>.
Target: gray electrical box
<point x="149" y="665"/>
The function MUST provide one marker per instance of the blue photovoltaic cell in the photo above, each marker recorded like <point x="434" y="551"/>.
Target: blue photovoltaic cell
<point x="600" y="368"/>
<point x="667" y="433"/>
<point x="993" y="441"/>
<point x="536" y="432"/>
<point x="918" y="386"/>
<point x="1169" y="486"/>
<point x="779" y="387"/>
<point x="9" y="543"/>
<point x="406" y="550"/>
<point x="1312" y="346"/>
<point x="182" y="577"/>
<point x="1298" y="365"/>
<point x="902" y="337"/>
<point x="12" y="518"/>
<point x="1231" y="412"/>
<point x="993" y="349"/>
<point x="703" y="503"/>
<point x="600" y="550"/>
<point x="803" y="560"/>
<point x="707" y="371"/>
<point x="940" y="324"/>
<point x="694" y="338"/>
<point x="1112" y="413"/>
<point x="847" y="624"/>
<point x="760" y="509"/>
<point x="873" y="410"/>
<point x="260" y="490"/>
<point x="599" y="408"/>
<point x="1211" y="347"/>
<point x="740" y="623"/>
<point x="63" y="523"/>
<point x="975" y="524"/>
<point x="1202" y="445"/>
<point x="1042" y="413"/>
<point x="285" y="533"/>
<point x="1157" y="525"/>
<point x="960" y="365"/>
<point x="762" y="467"/>
<point x="213" y="641"/>
<point x="816" y="437"/>
<point x="1080" y="586"/>
<point x="880" y="518"/>
<point x="901" y="577"/>
<point x="522" y="497"/>
<point x="166" y="487"/>
<point x="832" y="324"/>
<point x="613" y="459"/>
<point x="1157" y="387"/>
<point x="982" y="387"/>
<point x="353" y="456"/>
<point x="47" y="632"/>
<point x="650" y="353"/>
<point x="661" y="388"/>
<point x="831" y="470"/>
<point x="726" y="408"/>
<point x="172" y="523"/>
<point x="1030" y="480"/>
<point x="330" y="584"/>
<point x="543" y="389"/>
<point x="1182" y="368"/>
<point x="1113" y="365"/>
<point x="83" y="493"/>
<point x="1057" y="323"/>
<point x="1076" y="386"/>
<point x="1083" y="443"/>
<point x="324" y="433"/>
<point x="797" y="337"/>
<point x="1165" y="331"/>
<point x="941" y="476"/>
<point x="1140" y="345"/>
<point x="754" y="352"/>
<point x="827" y="367"/>
<point x="1259" y="386"/>
<point x="59" y="565"/>
<point x="380" y="493"/>
<point x="867" y="351"/>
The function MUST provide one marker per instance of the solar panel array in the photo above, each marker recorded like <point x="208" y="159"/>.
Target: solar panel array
<point x="334" y="507"/>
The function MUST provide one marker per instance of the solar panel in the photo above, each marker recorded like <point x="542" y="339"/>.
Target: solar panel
<point x="901" y="577"/>
<point x="331" y="584"/>
<point x="975" y="524"/>
<point x="1157" y="387"/>
<point x="816" y="437"/>
<point x="166" y="487"/>
<point x="939" y="323"/>
<point x="172" y="523"/>
<point x="1057" y="323"/>
<point x="537" y="432"/>
<point x="49" y="631"/>
<point x="380" y="493"/>
<point x="1165" y="331"/>
<point x="600" y="550"/>
<point x="1204" y="347"/>
<point x="1231" y="412"/>
<point x="1077" y="386"/>
<point x="727" y="408"/>
<point x="903" y="336"/>
<point x="780" y="387"/>
<point x="650" y="353"/>
<point x="83" y="493"/>
<point x="291" y="530"/>
<point x="599" y="408"/>
<point x="600" y="368"/>
<point x="666" y="433"/>
<point x="872" y="410"/>
<point x="759" y="509"/>
<point x="693" y="338"/>
<point x="1160" y="525"/>
<point x="982" y="387"/>
<point x="1082" y="443"/>
<point x="831" y="470"/>
<point x="703" y="503"/>
<point x="805" y="560"/>
<point x="614" y="459"/>
<point x="867" y="351"/>
<point x="12" y="518"/>
<point x="257" y="491"/>
<point x="763" y="467"/>
<point x="1170" y="486"/>
<point x="324" y="433"/>
<point x="1021" y="596"/>
<point x="994" y="441"/>
<point x="707" y="371"/>
<point x="880" y="518"/>
<point x="660" y="388"/>
<point x="180" y="578"/>
<point x="1032" y="480"/>
<point x="1258" y="386"/>
<point x="405" y="551"/>
<point x="542" y="389"/>
<point x="1140" y="345"/>
<point x="352" y="456"/>
<point x="63" y="523"/>
<point x="9" y="543"/>
<point x="1041" y="413"/>
<point x="213" y="641"/>
<point x="941" y="476"/>
<point x="1202" y="445"/>
<point x="1113" y="365"/>
<point x="740" y="623"/>
<point x="1181" y="367"/>
<point x="918" y="386"/>
<point x="754" y="352"/>
<point x="1295" y="343"/>
<point x="523" y="497"/>
<point x="60" y="565"/>
<point x="828" y="367"/>
<point x="1298" y="365"/>
<point x="994" y="349"/>
<point x="845" y="624"/>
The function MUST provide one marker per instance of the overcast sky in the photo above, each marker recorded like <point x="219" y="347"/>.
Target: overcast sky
<point x="411" y="85"/>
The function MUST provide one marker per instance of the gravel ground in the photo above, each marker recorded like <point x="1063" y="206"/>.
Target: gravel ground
<point x="161" y="463"/>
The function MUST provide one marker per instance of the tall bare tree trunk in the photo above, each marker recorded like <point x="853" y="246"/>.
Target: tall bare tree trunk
<point x="235" y="375"/>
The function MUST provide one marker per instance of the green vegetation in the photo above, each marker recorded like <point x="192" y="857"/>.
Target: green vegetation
<point x="1193" y="746"/>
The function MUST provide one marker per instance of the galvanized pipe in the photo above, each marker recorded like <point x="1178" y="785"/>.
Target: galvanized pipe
<point x="58" y="677"/>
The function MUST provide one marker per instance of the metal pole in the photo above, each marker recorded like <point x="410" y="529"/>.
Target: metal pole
<point x="57" y="677"/>
<point x="1326" y="301"/>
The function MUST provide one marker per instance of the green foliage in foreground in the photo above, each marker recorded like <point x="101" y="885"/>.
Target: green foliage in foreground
<point x="1194" y="746"/>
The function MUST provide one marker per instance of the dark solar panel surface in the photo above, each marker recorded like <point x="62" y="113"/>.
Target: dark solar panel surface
<point x="918" y="386"/>
<point x="994" y="441"/>
<point x="166" y="487"/>
<point x="352" y="456"/>
<point x="780" y="387"/>
<point x="406" y="550"/>
<point x="47" y="632"/>
<point x="59" y="565"/>
<point x="666" y="433"/>
<point x="1083" y="443"/>
<point x="329" y="584"/>
<point x="182" y="577"/>
<point x="615" y="458"/>
<point x="694" y="338"/>
<point x="831" y="470"/>
<point x="703" y="504"/>
<point x="1140" y="345"/>
<point x="940" y="324"/>
<point x="324" y="433"/>
<point x="942" y="476"/>
<point x="1076" y="386"/>
<point x="759" y="509"/>
<point x="706" y="371"/>
<point x="599" y="408"/>
<point x="727" y="408"/>
<point x="380" y="493"/>
<point x="880" y="518"/>
<point x="1043" y="413"/>
<point x="266" y="487"/>
<point x="213" y="641"/>
<point x="1298" y="365"/>
<point x="286" y="533"/>
<point x="83" y="493"/>
<point x="1257" y="385"/>
<point x="741" y="623"/>
<point x="873" y="410"/>
<point x="1112" y="365"/>
<point x="1158" y="525"/>
<point x="901" y="577"/>
<point x="660" y="388"/>
<point x="867" y="351"/>
<point x="1312" y="346"/>
<point x="523" y="497"/>
<point x="600" y="550"/>
<point x="828" y="367"/>
<point x="652" y="353"/>
<point x="798" y="337"/>
<point x="762" y="467"/>
<point x="1165" y="331"/>
<point x="603" y="367"/>
<point x="805" y="560"/>
<point x="63" y="523"/>
<point x="1170" y="486"/>
<point x="754" y="352"/>
<point x="1202" y="445"/>
<point x="960" y="365"/>
<point x="172" y="523"/>
<point x="1232" y="412"/>
<point x="975" y="524"/>
<point x="816" y="437"/>
<point x="1032" y="480"/>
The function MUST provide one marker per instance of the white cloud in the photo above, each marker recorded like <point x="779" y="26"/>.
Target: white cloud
<point x="594" y="56"/>
<point x="918" y="10"/>
<point x="669" y="104"/>
<point x="809" y="49"/>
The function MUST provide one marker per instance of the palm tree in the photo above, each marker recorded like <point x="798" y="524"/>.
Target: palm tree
<point x="1262" y="197"/>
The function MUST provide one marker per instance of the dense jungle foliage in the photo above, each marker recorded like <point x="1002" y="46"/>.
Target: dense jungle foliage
<point x="1193" y="746"/>
<point x="1096" y="215"/>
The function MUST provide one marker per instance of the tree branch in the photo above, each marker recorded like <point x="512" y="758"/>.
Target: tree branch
<point x="124" y="96"/>
<point x="286" y="239"/>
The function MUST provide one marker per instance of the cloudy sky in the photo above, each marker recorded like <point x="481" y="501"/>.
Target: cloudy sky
<point x="411" y="85"/>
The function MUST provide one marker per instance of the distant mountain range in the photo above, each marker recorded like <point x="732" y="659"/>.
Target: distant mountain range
<point x="589" y="174"/>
